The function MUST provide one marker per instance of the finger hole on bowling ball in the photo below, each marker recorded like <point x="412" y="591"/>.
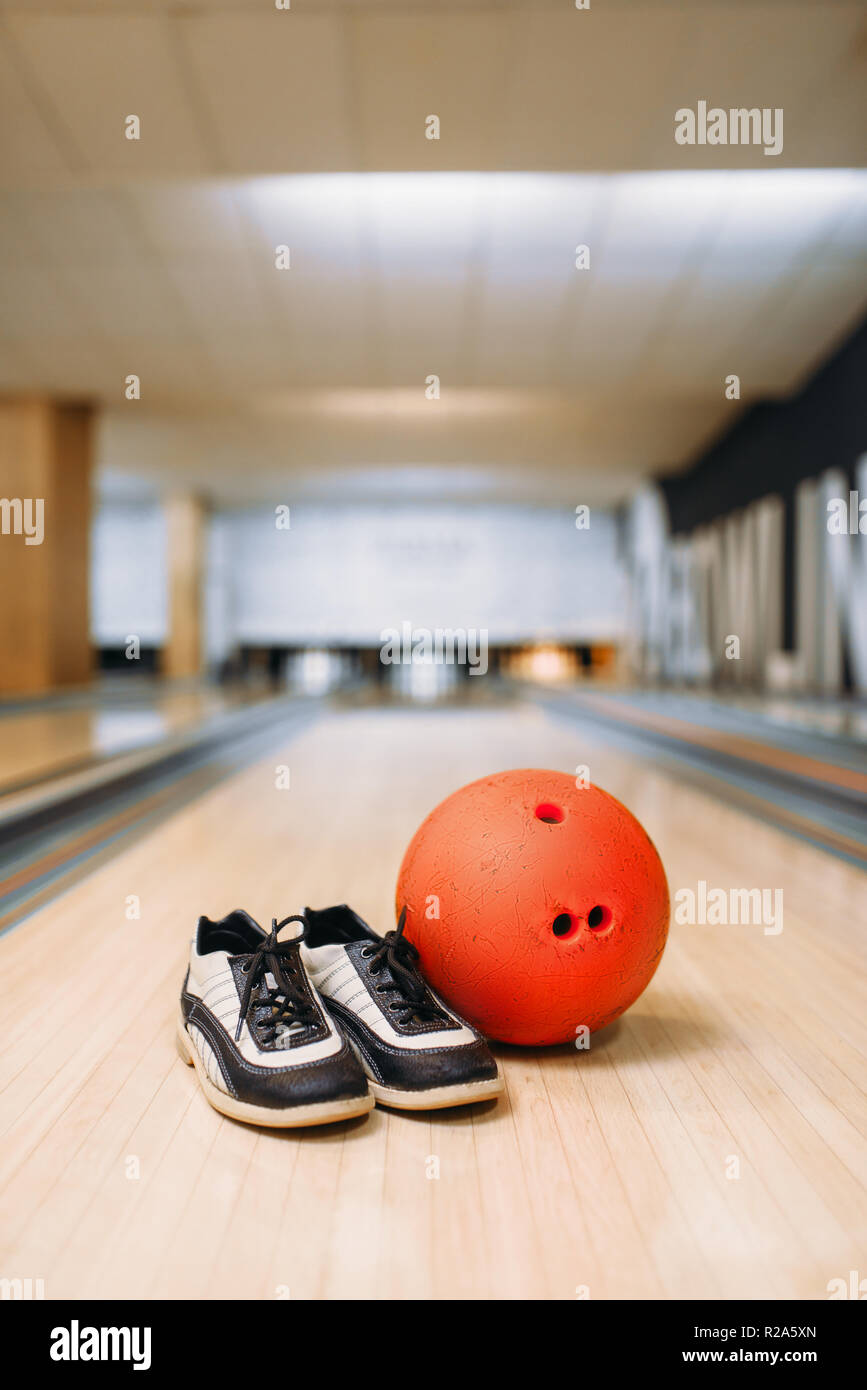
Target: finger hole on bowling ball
<point x="563" y="925"/>
<point x="549" y="813"/>
<point x="598" y="918"/>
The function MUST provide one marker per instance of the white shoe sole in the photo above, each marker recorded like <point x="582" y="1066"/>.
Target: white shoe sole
<point x="322" y="1113"/>
<point x="438" y="1097"/>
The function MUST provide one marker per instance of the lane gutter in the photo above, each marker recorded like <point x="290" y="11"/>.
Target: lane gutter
<point x="817" y="800"/>
<point x="47" y="847"/>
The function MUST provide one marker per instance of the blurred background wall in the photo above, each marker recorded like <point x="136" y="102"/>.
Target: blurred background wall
<point x="341" y="574"/>
<point x="432" y="277"/>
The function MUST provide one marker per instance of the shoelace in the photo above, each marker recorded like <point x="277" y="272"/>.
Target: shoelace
<point x="286" y="1001"/>
<point x="400" y="956"/>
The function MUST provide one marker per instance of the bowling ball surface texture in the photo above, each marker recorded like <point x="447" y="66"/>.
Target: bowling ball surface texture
<point x="552" y="905"/>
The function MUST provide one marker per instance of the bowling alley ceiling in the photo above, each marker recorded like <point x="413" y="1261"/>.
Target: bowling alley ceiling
<point x="412" y="258"/>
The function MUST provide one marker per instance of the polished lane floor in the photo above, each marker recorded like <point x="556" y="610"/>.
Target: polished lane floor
<point x="709" y="1144"/>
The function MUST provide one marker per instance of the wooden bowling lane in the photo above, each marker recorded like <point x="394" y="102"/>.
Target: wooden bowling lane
<point x="57" y="831"/>
<point x="44" y="738"/>
<point x="710" y="1144"/>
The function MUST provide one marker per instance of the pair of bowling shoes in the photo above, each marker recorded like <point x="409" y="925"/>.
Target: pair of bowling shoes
<point x="319" y="1019"/>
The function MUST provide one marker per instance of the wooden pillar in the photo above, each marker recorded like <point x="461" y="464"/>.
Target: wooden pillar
<point x="183" y="655"/>
<point x="45" y="507"/>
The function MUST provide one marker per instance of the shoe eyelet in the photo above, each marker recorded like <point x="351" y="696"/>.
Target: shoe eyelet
<point x="365" y="953"/>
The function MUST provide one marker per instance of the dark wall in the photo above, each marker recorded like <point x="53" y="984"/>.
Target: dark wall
<point x="774" y="446"/>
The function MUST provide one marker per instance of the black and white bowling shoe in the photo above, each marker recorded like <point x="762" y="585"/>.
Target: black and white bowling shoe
<point x="264" y="1047"/>
<point x="417" y="1054"/>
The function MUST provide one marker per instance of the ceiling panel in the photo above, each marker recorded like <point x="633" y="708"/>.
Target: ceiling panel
<point x="158" y="256"/>
<point x="397" y="277"/>
<point x="214" y="295"/>
<point x="821" y="304"/>
<point x="282" y="104"/>
<point x="193" y="220"/>
<point x="322" y="332"/>
<point x="29" y="143"/>
<point x="515" y="336"/>
<point x="588" y="90"/>
<point x="408" y="67"/>
<point x="94" y="70"/>
<point x="85" y="227"/>
<point x="248" y="89"/>
<point x="423" y="328"/>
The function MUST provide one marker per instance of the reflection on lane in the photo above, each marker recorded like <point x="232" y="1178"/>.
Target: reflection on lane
<point x="52" y="737"/>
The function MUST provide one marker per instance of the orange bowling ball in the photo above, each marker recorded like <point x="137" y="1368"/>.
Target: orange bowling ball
<point x="537" y="906"/>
